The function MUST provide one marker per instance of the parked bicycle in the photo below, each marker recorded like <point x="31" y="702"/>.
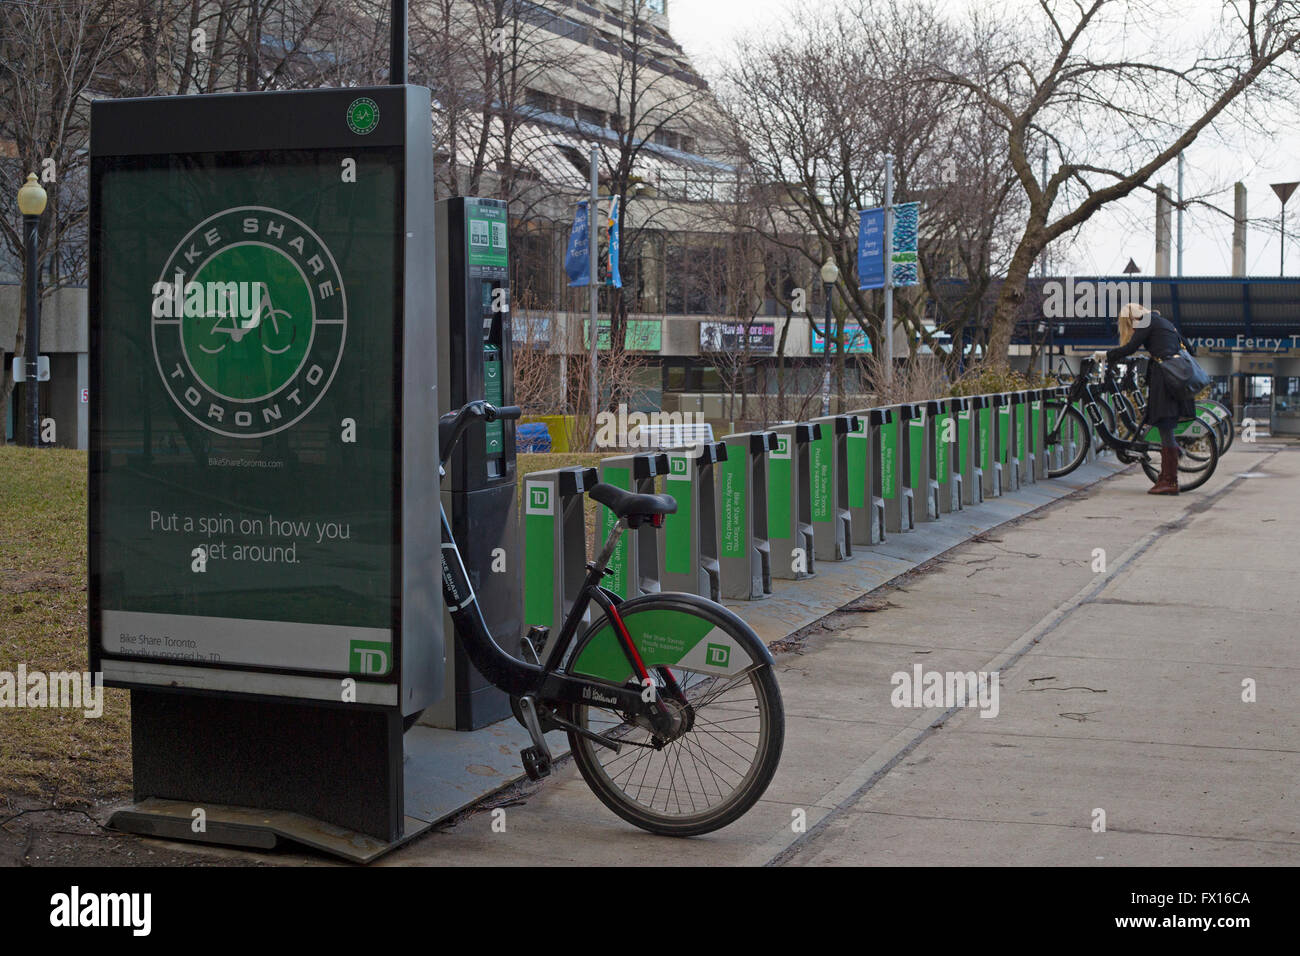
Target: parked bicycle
<point x="1085" y="414"/>
<point x="1133" y="386"/>
<point x="670" y="701"/>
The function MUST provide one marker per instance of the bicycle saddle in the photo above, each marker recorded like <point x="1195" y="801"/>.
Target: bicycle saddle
<point x="636" y="508"/>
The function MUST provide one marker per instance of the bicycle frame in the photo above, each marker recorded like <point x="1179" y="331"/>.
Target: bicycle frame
<point x="544" y="682"/>
<point x="1083" y="389"/>
<point x="520" y="678"/>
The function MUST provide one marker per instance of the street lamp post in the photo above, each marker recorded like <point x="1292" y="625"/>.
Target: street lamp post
<point x="830" y="275"/>
<point x="31" y="203"/>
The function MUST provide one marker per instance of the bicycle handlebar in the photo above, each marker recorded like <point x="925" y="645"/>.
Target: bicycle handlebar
<point x="452" y="425"/>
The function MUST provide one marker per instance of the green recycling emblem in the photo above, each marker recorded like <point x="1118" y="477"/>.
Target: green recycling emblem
<point x="249" y="320"/>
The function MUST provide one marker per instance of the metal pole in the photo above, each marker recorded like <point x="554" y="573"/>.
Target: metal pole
<point x="397" y="44"/>
<point x="1281" y="252"/>
<point x="1180" y="214"/>
<point x="829" y="289"/>
<point x="592" y="249"/>
<point x="555" y="325"/>
<point x="33" y="390"/>
<point x="889" y="268"/>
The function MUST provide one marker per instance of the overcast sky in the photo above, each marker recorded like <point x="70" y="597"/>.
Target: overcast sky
<point x="707" y="29"/>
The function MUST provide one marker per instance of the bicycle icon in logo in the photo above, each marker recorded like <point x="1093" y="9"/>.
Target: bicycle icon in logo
<point x="278" y="326"/>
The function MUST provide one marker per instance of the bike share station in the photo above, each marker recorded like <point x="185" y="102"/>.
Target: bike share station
<point x="279" y="314"/>
<point x="277" y="319"/>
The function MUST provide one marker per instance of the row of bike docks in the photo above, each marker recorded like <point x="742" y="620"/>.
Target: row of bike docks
<point x="769" y="505"/>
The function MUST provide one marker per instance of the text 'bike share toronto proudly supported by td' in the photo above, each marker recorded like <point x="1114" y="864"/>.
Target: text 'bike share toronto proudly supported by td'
<point x="271" y="562"/>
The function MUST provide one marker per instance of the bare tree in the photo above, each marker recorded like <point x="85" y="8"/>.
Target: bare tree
<point x="1111" y="117"/>
<point x="50" y="53"/>
<point x="648" y="101"/>
<point x="814" y="110"/>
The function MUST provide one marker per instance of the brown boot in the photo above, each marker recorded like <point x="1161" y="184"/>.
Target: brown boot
<point x="1167" y="483"/>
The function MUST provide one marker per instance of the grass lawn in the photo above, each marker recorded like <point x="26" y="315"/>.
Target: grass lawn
<point x="58" y="755"/>
<point x="61" y="756"/>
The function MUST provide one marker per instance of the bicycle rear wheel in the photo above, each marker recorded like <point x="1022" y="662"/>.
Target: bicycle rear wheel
<point x="1071" y="431"/>
<point x="728" y="733"/>
<point x="1199" y="444"/>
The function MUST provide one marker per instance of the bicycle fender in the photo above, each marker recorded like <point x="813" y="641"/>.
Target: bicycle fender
<point x="671" y="630"/>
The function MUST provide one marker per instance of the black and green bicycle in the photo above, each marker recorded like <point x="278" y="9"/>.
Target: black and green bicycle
<point x="670" y="701"/>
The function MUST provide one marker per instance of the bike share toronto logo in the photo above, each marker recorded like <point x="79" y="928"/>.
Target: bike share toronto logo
<point x="363" y="115"/>
<point x="249" y="321"/>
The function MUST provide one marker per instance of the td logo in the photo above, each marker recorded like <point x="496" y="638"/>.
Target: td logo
<point x="368" y="658"/>
<point x="717" y="655"/>
<point x="249" y="321"/>
<point x="539" y="499"/>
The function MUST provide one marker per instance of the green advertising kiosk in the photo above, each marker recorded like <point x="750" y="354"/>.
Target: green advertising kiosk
<point x="263" y="463"/>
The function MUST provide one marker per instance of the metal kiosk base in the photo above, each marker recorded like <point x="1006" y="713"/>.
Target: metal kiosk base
<point x="440" y="773"/>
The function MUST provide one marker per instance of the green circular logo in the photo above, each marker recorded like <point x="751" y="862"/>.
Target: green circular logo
<point x="249" y="320"/>
<point x="363" y="115"/>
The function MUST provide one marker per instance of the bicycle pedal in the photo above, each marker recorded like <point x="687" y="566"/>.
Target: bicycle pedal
<point x="536" y="764"/>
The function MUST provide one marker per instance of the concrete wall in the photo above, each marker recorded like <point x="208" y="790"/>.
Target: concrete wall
<point x="65" y="333"/>
<point x="64" y="323"/>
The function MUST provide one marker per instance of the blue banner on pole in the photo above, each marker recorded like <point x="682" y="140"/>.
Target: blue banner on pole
<point x="576" y="258"/>
<point x="907" y="217"/>
<point x="615" y="279"/>
<point x="871" y="249"/>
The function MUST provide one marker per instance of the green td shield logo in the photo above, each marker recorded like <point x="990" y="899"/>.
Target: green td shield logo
<point x="539" y="499"/>
<point x="249" y="321"/>
<point x="368" y="658"/>
<point x="717" y="655"/>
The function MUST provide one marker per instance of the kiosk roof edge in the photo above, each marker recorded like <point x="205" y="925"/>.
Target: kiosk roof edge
<point x="292" y="119"/>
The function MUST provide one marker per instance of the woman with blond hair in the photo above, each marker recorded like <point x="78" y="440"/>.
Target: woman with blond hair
<point x="1140" y="327"/>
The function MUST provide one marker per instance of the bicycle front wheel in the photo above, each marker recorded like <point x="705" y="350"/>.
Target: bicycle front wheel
<point x="1070" y="430"/>
<point x="1224" y="425"/>
<point x="717" y="678"/>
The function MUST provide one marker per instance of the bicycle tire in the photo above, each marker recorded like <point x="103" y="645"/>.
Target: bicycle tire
<point x="1068" y="417"/>
<point x="1226" y="427"/>
<point x="1189" y="479"/>
<point x="598" y="765"/>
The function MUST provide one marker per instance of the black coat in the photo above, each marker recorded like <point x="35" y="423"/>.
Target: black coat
<point x="1162" y="340"/>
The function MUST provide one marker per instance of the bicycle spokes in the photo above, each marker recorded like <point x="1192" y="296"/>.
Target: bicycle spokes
<point x="707" y="758"/>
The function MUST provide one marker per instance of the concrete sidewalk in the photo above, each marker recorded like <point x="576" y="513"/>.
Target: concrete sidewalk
<point x="1119" y="691"/>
